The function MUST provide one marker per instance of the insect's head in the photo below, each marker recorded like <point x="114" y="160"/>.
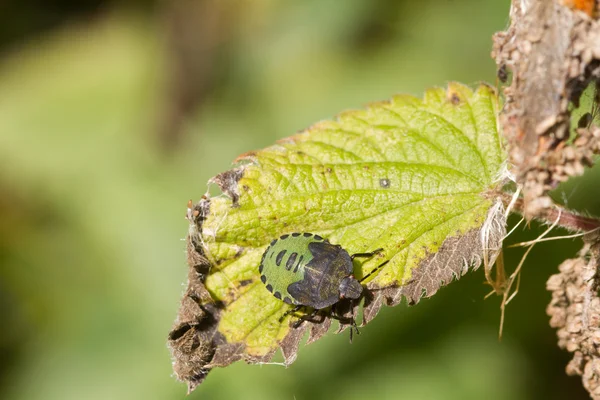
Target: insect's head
<point x="350" y="288"/>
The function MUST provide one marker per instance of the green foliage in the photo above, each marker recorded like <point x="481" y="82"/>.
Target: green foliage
<point x="91" y="261"/>
<point x="413" y="177"/>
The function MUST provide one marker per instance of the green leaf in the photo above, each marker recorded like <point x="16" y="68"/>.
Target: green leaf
<point x="414" y="177"/>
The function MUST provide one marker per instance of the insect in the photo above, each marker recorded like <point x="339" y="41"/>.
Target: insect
<point x="304" y="269"/>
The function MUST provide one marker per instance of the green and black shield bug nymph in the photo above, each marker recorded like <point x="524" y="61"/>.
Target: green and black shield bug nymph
<point x="304" y="269"/>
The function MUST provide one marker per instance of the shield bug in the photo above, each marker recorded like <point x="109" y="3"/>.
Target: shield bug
<point x="304" y="269"/>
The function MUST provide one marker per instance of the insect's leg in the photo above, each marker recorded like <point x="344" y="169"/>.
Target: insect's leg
<point x="351" y="320"/>
<point x="354" y="326"/>
<point x="310" y="318"/>
<point x="371" y="254"/>
<point x="376" y="269"/>
<point x="290" y="311"/>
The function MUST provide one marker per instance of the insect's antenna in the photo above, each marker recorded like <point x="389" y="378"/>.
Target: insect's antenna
<point x="375" y="270"/>
<point x="370" y="254"/>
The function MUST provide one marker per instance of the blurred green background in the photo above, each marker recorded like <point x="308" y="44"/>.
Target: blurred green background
<point x="114" y="114"/>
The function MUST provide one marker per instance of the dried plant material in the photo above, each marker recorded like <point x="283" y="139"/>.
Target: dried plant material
<point x="554" y="54"/>
<point x="575" y="311"/>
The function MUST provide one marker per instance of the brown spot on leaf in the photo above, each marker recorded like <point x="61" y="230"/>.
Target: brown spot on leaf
<point x="228" y="183"/>
<point x="455" y="98"/>
<point x="247" y="156"/>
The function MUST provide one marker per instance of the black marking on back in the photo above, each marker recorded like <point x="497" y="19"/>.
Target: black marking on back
<point x="263" y="279"/>
<point x="290" y="261"/>
<point x="273" y="242"/>
<point x="317" y="237"/>
<point x="323" y="252"/>
<point x="316" y="289"/>
<point x="299" y="262"/>
<point x="260" y="268"/>
<point x="306" y="234"/>
<point x="300" y="292"/>
<point x="277" y="295"/>
<point x="287" y="300"/>
<point x="296" y="234"/>
<point x="280" y="257"/>
<point x="270" y="288"/>
<point x="284" y="237"/>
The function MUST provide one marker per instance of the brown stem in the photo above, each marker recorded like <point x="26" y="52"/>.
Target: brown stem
<point x="568" y="219"/>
